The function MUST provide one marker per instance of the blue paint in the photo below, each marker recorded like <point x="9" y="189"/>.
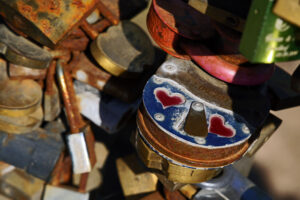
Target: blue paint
<point x="174" y="115"/>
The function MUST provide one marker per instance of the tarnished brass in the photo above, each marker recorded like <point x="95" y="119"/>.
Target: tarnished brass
<point x="20" y="185"/>
<point x="19" y="97"/>
<point x="195" y="122"/>
<point x="124" y="50"/>
<point x="67" y="193"/>
<point x="188" y="190"/>
<point x="21" y="51"/>
<point x="94" y="180"/>
<point x="134" y="180"/>
<point x="270" y="126"/>
<point x="47" y="22"/>
<point x="23" y="124"/>
<point x="174" y="172"/>
<point x="288" y="10"/>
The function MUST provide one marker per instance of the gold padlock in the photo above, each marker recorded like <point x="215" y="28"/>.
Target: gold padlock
<point x="124" y="50"/>
<point x="47" y="22"/>
<point x="288" y="10"/>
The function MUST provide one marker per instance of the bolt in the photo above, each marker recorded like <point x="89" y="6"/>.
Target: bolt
<point x="170" y="68"/>
<point x="159" y="117"/>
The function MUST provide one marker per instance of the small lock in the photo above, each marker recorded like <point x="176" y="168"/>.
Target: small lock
<point x="267" y="38"/>
<point x="124" y="50"/>
<point x="288" y="10"/>
<point x="21" y="51"/>
<point x="46" y="22"/>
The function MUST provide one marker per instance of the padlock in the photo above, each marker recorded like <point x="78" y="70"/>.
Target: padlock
<point x="76" y="140"/>
<point x="18" y="184"/>
<point x="123" y="50"/>
<point x="94" y="180"/>
<point x="20" y="72"/>
<point x="134" y="179"/>
<point x="105" y="111"/>
<point x="153" y="196"/>
<point x="232" y="13"/>
<point x="54" y="193"/>
<point x="52" y="106"/>
<point x="21" y="51"/>
<point x="85" y="71"/>
<point x="101" y="154"/>
<point x="188" y="191"/>
<point x="36" y="152"/>
<point x="170" y="195"/>
<point x="288" y="10"/>
<point x="267" y="38"/>
<point x="46" y="22"/>
<point x="234" y="115"/>
<point x="170" y="22"/>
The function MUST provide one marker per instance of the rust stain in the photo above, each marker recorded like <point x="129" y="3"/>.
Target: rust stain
<point x="78" y="3"/>
<point x="27" y="11"/>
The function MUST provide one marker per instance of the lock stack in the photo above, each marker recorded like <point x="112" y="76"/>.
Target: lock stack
<point x="43" y="47"/>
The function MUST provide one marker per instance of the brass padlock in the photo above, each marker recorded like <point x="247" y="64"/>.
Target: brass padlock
<point x="47" y="22"/>
<point x="288" y="10"/>
<point x="21" y="51"/>
<point x="54" y="192"/>
<point x="21" y="72"/>
<point x="124" y="50"/>
<point x="267" y="38"/>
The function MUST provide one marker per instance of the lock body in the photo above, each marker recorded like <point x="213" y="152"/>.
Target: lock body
<point x="267" y="38"/>
<point x="231" y="115"/>
<point x="47" y="22"/>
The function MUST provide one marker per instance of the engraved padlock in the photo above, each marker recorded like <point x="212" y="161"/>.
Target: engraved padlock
<point x="288" y="10"/>
<point x="123" y="50"/>
<point x="173" y="98"/>
<point x="267" y="38"/>
<point x="47" y="22"/>
<point x="21" y="51"/>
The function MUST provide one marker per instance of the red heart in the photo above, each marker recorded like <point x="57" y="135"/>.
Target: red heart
<point x="217" y="127"/>
<point x="168" y="99"/>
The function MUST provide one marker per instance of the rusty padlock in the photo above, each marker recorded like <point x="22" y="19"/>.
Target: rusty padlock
<point x="47" y="22"/>
<point x="21" y="51"/>
<point x="180" y="90"/>
<point x="123" y="50"/>
<point x="169" y="22"/>
<point x="105" y="111"/>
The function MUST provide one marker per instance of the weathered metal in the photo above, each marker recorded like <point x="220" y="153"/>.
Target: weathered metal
<point x="52" y="106"/>
<point x="21" y="51"/>
<point x="234" y="116"/>
<point x="19" y="97"/>
<point x="123" y="50"/>
<point x="53" y="193"/>
<point x="169" y="22"/>
<point x="36" y="152"/>
<point x="20" y="72"/>
<point x="47" y="22"/>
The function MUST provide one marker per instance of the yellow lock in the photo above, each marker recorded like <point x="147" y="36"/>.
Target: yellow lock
<point x="288" y="10"/>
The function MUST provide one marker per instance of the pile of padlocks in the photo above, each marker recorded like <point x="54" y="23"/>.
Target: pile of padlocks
<point x="75" y="70"/>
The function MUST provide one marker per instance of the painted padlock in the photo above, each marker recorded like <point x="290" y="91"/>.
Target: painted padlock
<point x="169" y="22"/>
<point x="196" y="121"/>
<point x="123" y="50"/>
<point x="47" y="22"/>
<point x="267" y="38"/>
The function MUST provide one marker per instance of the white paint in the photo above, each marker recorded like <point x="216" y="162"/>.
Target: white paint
<point x="170" y="68"/>
<point x="89" y="107"/>
<point x="81" y="75"/>
<point x="159" y="117"/>
<point x="100" y="84"/>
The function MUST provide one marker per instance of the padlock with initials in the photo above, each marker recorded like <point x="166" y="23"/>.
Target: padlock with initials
<point x="267" y="38"/>
<point x="198" y="123"/>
